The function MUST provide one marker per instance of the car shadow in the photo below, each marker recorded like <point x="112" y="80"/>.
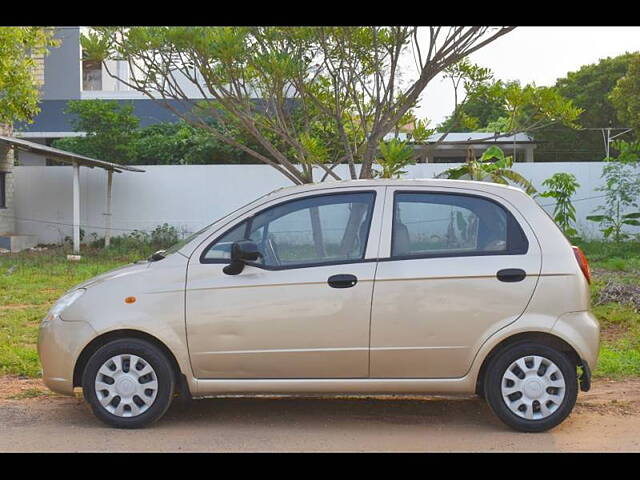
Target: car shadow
<point x="285" y="411"/>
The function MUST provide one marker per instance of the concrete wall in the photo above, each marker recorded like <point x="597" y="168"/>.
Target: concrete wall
<point x="192" y="196"/>
<point x="7" y="224"/>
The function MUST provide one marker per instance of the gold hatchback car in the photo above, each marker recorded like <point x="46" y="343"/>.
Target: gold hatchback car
<point x="356" y="287"/>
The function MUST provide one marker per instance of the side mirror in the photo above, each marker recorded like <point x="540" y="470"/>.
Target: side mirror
<point x="241" y="252"/>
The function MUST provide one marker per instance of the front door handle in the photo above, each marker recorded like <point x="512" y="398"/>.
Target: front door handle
<point x="511" y="275"/>
<point x="342" y="281"/>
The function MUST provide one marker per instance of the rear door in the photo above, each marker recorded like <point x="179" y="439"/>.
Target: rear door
<point x="455" y="267"/>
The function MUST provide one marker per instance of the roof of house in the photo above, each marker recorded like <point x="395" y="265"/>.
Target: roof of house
<point x="64" y="156"/>
<point x="471" y="137"/>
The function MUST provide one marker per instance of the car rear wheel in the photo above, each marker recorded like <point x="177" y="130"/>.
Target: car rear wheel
<point x="531" y="387"/>
<point x="129" y="383"/>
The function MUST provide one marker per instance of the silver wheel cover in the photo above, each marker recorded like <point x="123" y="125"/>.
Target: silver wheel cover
<point x="126" y="385"/>
<point x="533" y="387"/>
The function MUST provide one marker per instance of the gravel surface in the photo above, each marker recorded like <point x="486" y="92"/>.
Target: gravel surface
<point x="605" y="419"/>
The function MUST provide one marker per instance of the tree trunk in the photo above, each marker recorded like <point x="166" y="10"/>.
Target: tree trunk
<point x="316" y="228"/>
<point x="366" y="171"/>
<point x="353" y="226"/>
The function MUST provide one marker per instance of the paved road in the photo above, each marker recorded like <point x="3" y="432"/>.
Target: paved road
<point x="606" y="420"/>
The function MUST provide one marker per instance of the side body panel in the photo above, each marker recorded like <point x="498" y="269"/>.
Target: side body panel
<point x="158" y="310"/>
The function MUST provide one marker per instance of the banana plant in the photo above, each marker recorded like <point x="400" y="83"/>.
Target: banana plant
<point x="492" y="166"/>
<point x="394" y="156"/>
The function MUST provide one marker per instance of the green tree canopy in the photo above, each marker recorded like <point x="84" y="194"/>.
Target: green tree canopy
<point x="625" y="96"/>
<point x="503" y="108"/>
<point x="181" y="143"/>
<point x="112" y="133"/>
<point x="589" y="88"/>
<point x="309" y="97"/>
<point x="109" y="128"/>
<point x="19" y="91"/>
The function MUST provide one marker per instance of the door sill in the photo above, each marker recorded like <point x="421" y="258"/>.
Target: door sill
<point x="352" y="386"/>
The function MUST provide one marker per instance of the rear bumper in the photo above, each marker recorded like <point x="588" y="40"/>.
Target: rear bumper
<point x="582" y="331"/>
<point x="59" y="345"/>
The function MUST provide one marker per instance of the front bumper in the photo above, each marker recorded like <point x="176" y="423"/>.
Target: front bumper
<point x="59" y="345"/>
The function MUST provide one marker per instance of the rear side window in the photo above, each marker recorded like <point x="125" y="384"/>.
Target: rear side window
<point x="438" y="225"/>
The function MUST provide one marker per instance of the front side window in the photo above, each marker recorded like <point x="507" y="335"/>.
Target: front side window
<point x="308" y="231"/>
<point x="434" y="224"/>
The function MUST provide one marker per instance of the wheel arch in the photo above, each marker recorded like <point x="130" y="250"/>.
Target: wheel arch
<point x="548" y="339"/>
<point x="107" y="337"/>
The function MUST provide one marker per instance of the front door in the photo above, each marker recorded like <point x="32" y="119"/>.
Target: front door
<point x="457" y="268"/>
<point x="301" y="311"/>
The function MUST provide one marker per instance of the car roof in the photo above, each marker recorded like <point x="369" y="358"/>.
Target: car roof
<point x="386" y="182"/>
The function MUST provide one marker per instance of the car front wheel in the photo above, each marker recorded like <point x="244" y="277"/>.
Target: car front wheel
<point x="531" y="387"/>
<point x="129" y="383"/>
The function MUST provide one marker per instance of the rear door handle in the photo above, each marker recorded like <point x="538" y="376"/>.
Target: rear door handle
<point x="511" y="275"/>
<point x="342" y="281"/>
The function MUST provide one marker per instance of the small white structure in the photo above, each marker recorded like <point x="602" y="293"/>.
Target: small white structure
<point x="454" y="147"/>
<point x="16" y="242"/>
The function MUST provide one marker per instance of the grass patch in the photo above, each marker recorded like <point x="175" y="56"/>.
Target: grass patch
<point x="615" y="363"/>
<point x="619" y="264"/>
<point x="29" y="393"/>
<point x="620" y="341"/>
<point x="29" y="284"/>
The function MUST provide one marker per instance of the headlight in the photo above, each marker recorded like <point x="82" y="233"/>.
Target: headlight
<point x="64" y="302"/>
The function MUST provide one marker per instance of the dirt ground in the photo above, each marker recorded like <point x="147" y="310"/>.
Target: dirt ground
<point x="605" y="419"/>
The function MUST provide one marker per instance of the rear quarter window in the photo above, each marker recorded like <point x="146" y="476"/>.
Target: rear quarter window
<point x="443" y="224"/>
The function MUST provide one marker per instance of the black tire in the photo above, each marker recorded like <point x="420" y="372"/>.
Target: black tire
<point x="149" y="353"/>
<point x="493" y="386"/>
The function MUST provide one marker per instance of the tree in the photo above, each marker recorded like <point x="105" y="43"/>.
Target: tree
<point x="19" y="92"/>
<point x="588" y="88"/>
<point x="625" y="96"/>
<point x="110" y="129"/>
<point x="310" y="97"/>
<point x="469" y="81"/>
<point x="180" y="143"/>
<point x="507" y="108"/>
<point x="473" y="106"/>
<point x="112" y="133"/>
<point x="476" y="114"/>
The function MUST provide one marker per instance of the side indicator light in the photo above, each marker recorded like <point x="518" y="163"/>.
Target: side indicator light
<point x="130" y="300"/>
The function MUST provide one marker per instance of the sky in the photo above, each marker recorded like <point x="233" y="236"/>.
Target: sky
<point x="534" y="54"/>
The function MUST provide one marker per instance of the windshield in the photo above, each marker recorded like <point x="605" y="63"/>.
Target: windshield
<point x="177" y="246"/>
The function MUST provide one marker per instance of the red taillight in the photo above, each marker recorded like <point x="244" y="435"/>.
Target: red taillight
<point x="582" y="261"/>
